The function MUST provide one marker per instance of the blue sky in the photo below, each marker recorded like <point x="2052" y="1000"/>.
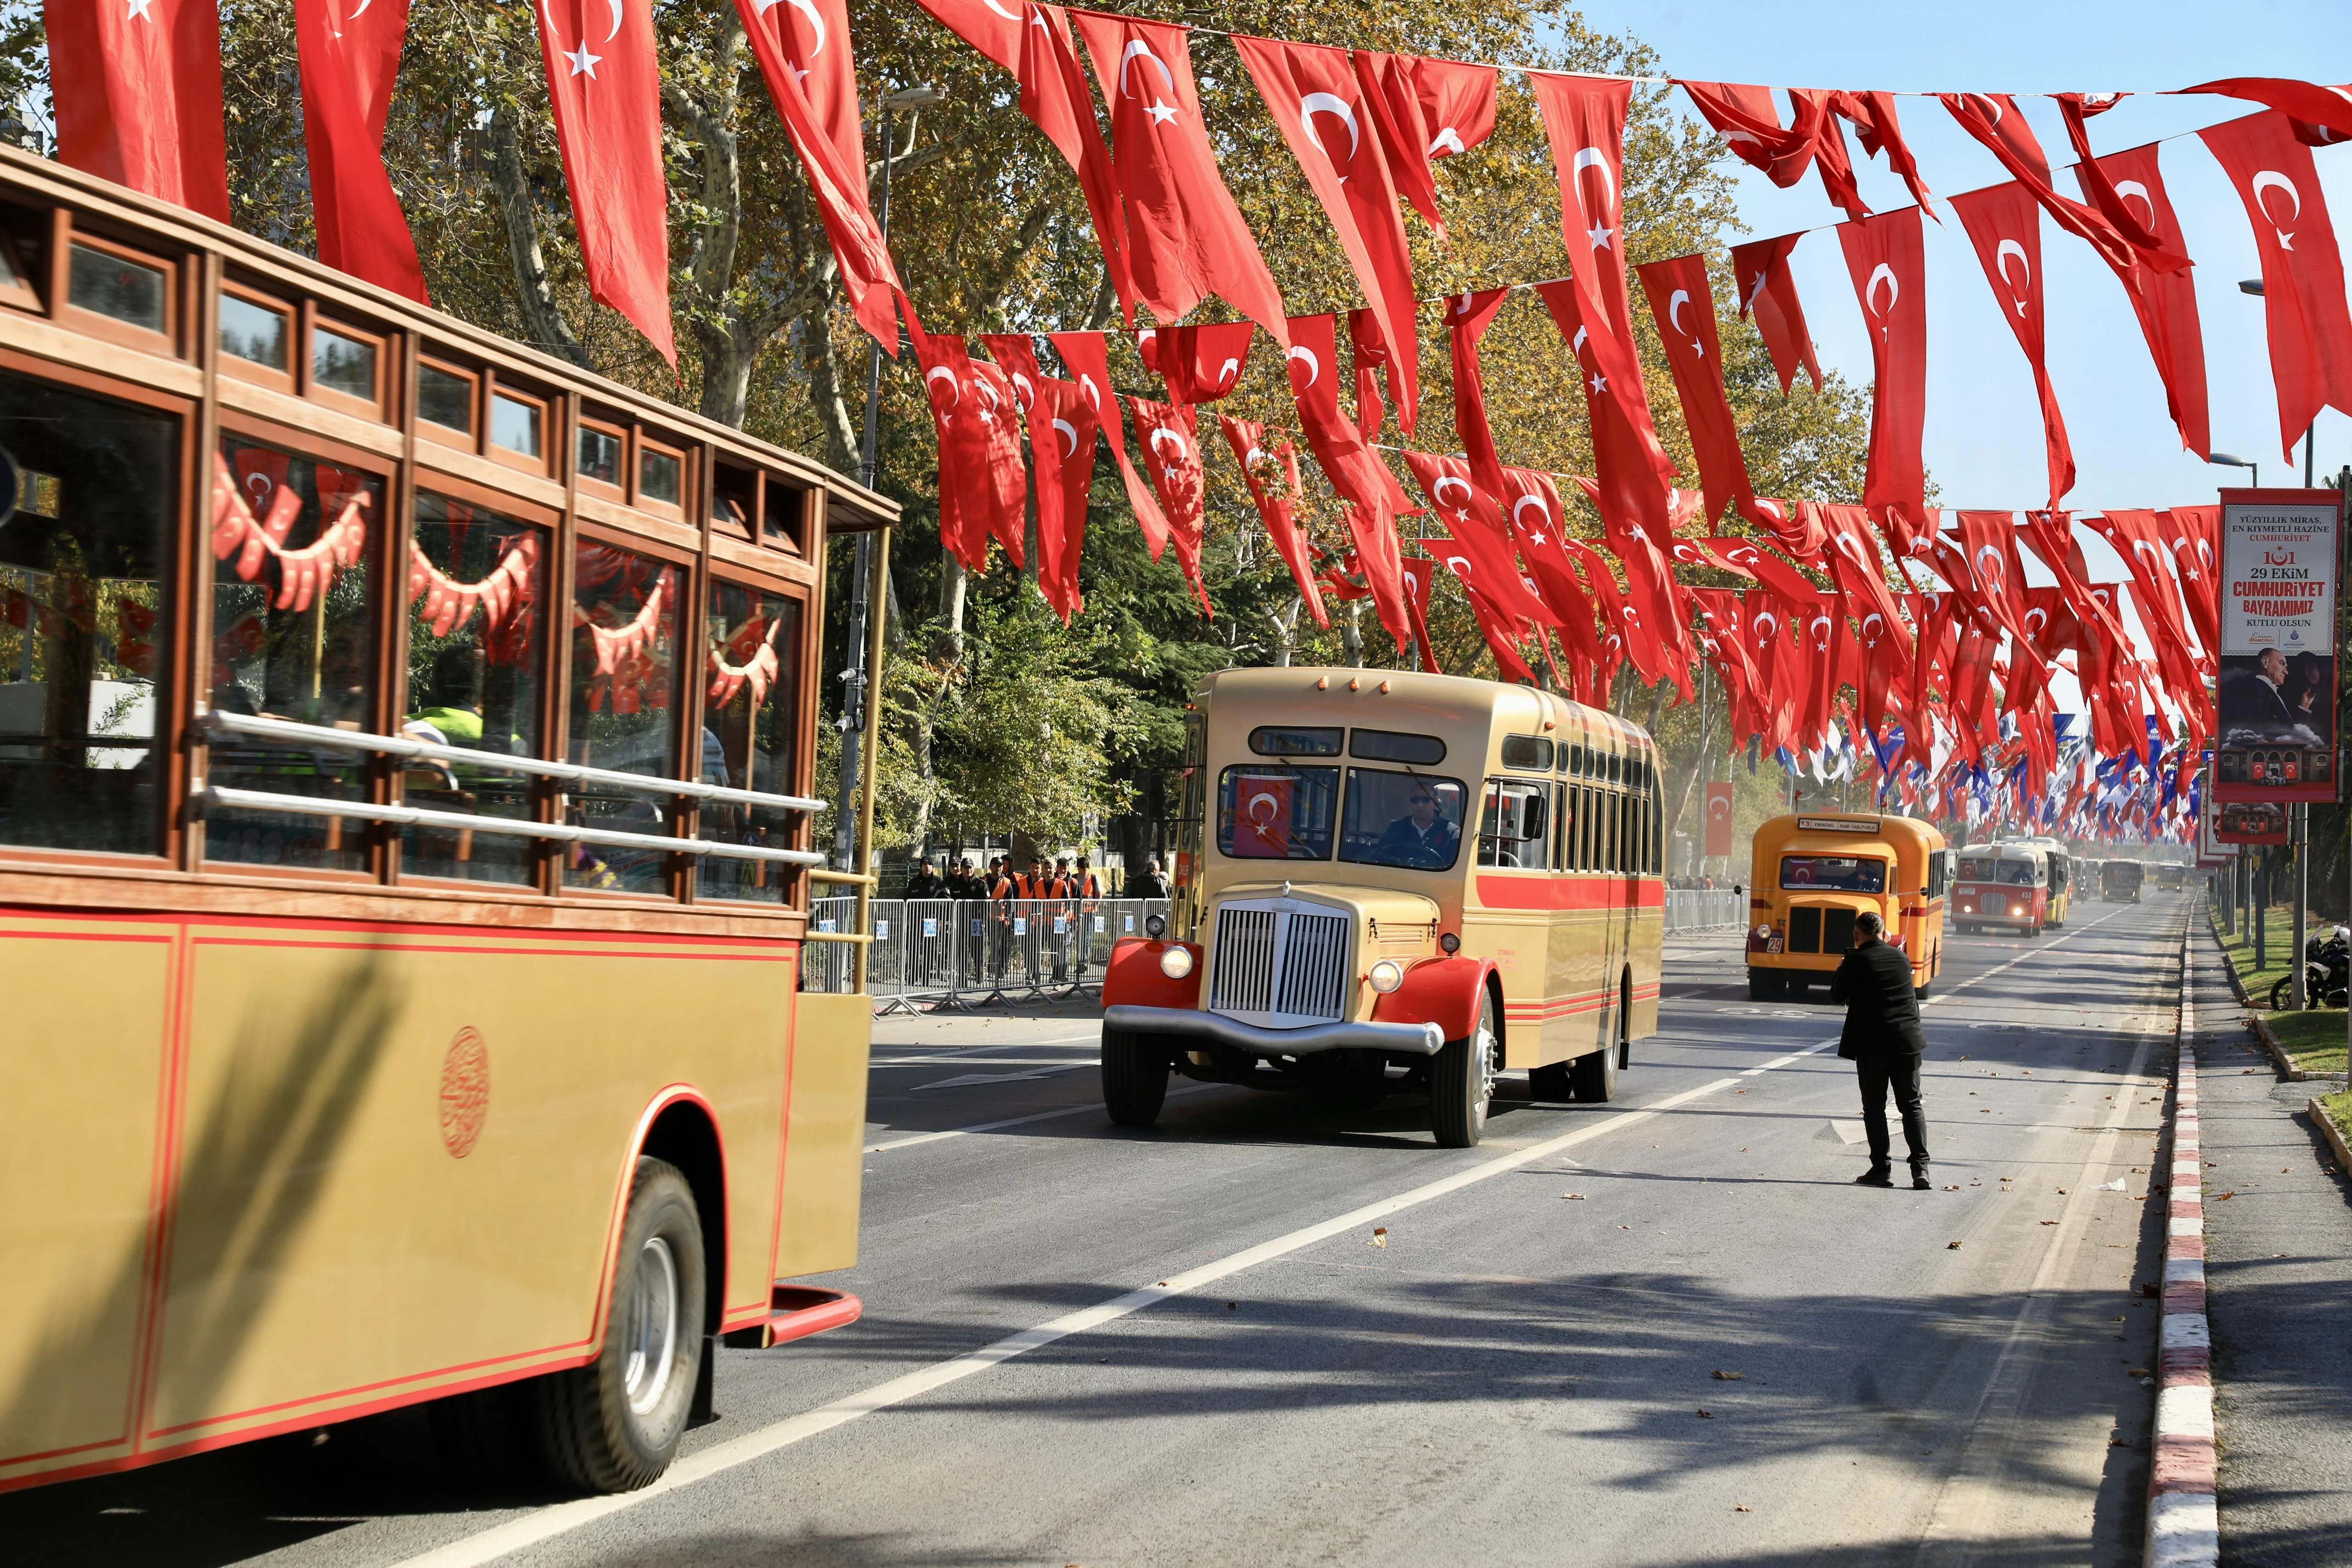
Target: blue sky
<point x="1983" y="438"/>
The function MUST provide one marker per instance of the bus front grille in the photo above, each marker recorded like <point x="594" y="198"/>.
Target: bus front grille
<point x="1280" y="964"/>
<point x="1805" y="929"/>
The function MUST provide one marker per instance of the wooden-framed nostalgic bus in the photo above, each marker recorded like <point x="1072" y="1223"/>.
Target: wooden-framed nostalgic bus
<point x="1811" y="874"/>
<point x="1404" y="881"/>
<point x="2065" y="875"/>
<point x="407" y="752"/>
<point x="2003" y="885"/>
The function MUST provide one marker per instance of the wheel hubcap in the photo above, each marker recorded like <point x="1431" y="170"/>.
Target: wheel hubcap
<point x="650" y="1331"/>
<point x="1482" y="1072"/>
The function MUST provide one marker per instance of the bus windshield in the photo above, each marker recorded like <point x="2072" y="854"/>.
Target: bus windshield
<point x="1271" y="810"/>
<point x="1407" y="819"/>
<point x="1984" y="868"/>
<point x="1833" y="874"/>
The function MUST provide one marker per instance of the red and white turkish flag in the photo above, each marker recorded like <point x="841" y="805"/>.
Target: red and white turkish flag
<point x="803" y="48"/>
<point x="1172" y="455"/>
<point x="993" y="404"/>
<point x="2004" y="223"/>
<point x="1318" y="106"/>
<point x="350" y="51"/>
<point x="1467" y="317"/>
<point x="1356" y="475"/>
<point x="2320" y="115"/>
<point x="1879" y="129"/>
<point x="1749" y="123"/>
<point x="1767" y="292"/>
<point x="2302" y="272"/>
<point x="1683" y="304"/>
<point x="136" y="88"/>
<point x="1538" y="525"/>
<point x="1889" y="264"/>
<point x="1062" y="430"/>
<point x="1373" y="528"/>
<point x="1854" y="564"/>
<point x="2140" y="536"/>
<point x="1995" y="574"/>
<point x="1186" y="238"/>
<point x="1995" y="120"/>
<point x="1506" y="611"/>
<point x="1272" y="475"/>
<point x="1420" y="582"/>
<point x="1088" y="359"/>
<point x="1199" y="363"/>
<point x="1372" y="356"/>
<point x="1718" y="819"/>
<point x="1425" y="110"/>
<point x="1016" y="354"/>
<point x="963" y="453"/>
<point x="2165" y="302"/>
<point x="1456" y="496"/>
<point x="2193" y="535"/>
<point x="1261" y="807"/>
<point x="604" y="85"/>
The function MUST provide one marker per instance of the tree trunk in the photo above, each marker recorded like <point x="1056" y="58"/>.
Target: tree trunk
<point x="1352" y="636"/>
<point x="1285" y="629"/>
<point x="542" y="319"/>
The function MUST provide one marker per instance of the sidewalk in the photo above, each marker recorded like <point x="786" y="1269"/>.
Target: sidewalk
<point x="2278" y="1241"/>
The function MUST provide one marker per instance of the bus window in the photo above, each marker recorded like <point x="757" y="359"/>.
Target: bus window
<point x="1271" y="812"/>
<point x="1292" y="741"/>
<point x="1400" y="818"/>
<point x="476" y="589"/>
<point x="293" y="637"/>
<point x="1530" y="752"/>
<point x="1391" y="746"/>
<point x="1588" y="838"/>
<point x="1511" y="826"/>
<point x="1935" y="876"/>
<point x="85" y="634"/>
<point x="751" y="736"/>
<point x="1833" y="874"/>
<point x="624" y="690"/>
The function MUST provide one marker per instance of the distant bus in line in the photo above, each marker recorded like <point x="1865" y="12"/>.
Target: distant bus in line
<point x="1812" y="873"/>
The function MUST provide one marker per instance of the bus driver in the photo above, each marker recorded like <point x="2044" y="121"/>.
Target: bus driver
<point x="1420" y="838"/>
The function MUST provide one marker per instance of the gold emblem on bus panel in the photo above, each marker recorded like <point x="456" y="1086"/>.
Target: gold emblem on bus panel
<point x="464" y="1092"/>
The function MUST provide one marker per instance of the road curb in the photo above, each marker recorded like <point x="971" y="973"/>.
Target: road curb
<point x="2279" y="1057"/>
<point x="2184" y="1527"/>
<point x="2335" y="1137"/>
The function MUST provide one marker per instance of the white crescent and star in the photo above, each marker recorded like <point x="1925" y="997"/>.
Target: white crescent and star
<point x="2001" y="253"/>
<point x="2269" y="180"/>
<point x="1525" y="501"/>
<point x="1316" y="103"/>
<point x="1137" y="48"/>
<point x="1314" y="365"/>
<point x="1885" y="274"/>
<point x="806" y="7"/>
<point x="1162" y="432"/>
<point x="2128" y="189"/>
<point x="936" y="371"/>
<point x="1593" y="158"/>
<point x="1070" y="433"/>
<point x="1437" y="491"/>
<point x="1094" y="393"/>
<point x="1446" y="142"/>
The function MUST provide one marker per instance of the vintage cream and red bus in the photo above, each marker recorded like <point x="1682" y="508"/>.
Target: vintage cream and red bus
<point x="1406" y="881"/>
<point x="405" y="760"/>
<point x="2005" y="886"/>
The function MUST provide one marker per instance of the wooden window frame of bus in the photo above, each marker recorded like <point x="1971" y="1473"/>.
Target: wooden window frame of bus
<point x="554" y="430"/>
<point x="550" y="521"/>
<point x="247" y="370"/>
<point x="682" y="510"/>
<point x="626" y="432"/>
<point x="810" y="655"/>
<point x="172" y="778"/>
<point x="24" y="294"/>
<point x="378" y="409"/>
<point x="784" y="542"/>
<point x="97" y="324"/>
<point x="476" y="406"/>
<point x="232" y="424"/>
<point x="686" y="707"/>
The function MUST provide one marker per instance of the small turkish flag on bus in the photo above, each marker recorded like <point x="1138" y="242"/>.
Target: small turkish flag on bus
<point x="1262" y="819"/>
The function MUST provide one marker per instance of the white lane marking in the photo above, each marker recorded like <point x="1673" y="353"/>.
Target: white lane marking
<point x="1093" y="1106"/>
<point x="560" y="1518"/>
<point x="993" y="1045"/>
<point x="987" y="1061"/>
<point x="968" y="1079"/>
<point x="546" y="1524"/>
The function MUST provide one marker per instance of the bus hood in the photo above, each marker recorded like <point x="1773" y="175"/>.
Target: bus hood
<point x="1395" y="922"/>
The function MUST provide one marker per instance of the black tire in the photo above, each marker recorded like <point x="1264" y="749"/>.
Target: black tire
<point x="1134" y="1078"/>
<point x="2281" y="992"/>
<point x="1462" y="1082"/>
<point x="1550" y="1083"/>
<point x="614" y="1425"/>
<point x="1763" y="985"/>
<point x="1594" y="1077"/>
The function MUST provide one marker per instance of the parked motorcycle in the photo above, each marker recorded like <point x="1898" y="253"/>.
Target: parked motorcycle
<point x="2327" y="973"/>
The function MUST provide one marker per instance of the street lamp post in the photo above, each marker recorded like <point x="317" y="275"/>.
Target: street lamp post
<point x="2253" y="285"/>
<point x="855" y="680"/>
<point x="2224" y="460"/>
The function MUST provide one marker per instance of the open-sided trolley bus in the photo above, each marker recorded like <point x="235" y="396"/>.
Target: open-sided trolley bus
<point x="1811" y="874"/>
<point x="405" y="761"/>
<point x="1406" y="881"/>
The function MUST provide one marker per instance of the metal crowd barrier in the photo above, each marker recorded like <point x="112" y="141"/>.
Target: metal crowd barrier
<point x="961" y="952"/>
<point x="1690" y="909"/>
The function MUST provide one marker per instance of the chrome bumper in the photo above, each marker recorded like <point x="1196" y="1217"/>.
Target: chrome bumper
<point x="1406" y="1039"/>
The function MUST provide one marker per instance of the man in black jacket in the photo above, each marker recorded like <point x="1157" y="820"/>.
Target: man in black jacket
<point x="1883" y="1040"/>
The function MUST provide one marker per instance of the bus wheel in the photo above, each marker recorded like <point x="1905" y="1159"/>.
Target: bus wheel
<point x="1594" y="1077"/>
<point x="613" y="1424"/>
<point x="1762" y="985"/>
<point x="1462" y="1082"/>
<point x="1134" y="1078"/>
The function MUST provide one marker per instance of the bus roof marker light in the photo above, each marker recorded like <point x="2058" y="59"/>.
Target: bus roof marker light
<point x="1384" y="688"/>
<point x="1322" y="683"/>
<point x="1355" y="682"/>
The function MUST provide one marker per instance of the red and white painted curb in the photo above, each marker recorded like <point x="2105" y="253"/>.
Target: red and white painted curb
<point x="2184" y="1527"/>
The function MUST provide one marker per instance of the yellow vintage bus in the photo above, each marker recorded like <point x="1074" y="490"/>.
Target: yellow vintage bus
<point x="1406" y="882"/>
<point x="2066" y="872"/>
<point x="1813" y="875"/>
<point x="405" y="762"/>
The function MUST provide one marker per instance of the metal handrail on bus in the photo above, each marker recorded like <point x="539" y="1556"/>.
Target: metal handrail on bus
<point x="216" y="722"/>
<point x="424" y="816"/>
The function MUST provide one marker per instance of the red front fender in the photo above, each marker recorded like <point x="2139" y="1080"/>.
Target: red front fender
<point x="1133" y="976"/>
<point x="1447" y="992"/>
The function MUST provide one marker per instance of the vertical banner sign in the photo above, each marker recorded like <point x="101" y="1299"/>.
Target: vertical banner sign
<point x="2277" y="699"/>
<point x="1718" y="819"/>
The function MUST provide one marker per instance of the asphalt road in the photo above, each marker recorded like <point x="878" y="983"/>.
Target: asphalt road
<point x="1664" y="1331"/>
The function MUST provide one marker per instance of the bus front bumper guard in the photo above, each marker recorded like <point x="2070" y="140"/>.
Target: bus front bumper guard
<point x="1406" y="1039"/>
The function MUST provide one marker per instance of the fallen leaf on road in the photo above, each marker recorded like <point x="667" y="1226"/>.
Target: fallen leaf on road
<point x="1576" y="1194"/>
<point x="2062" y="1192"/>
<point x="1741" y="1508"/>
<point x="1954" y="1188"/>
<point x="2227" y="1195"/>
<point x="1951" y="1247"/>
<point x="1380" y="1235"/>
<point x="2049" y="1222"/>
<point x="2136" y="1371"/>
<point x="1706" y="1414"/>
<point x="1731" y="1376"/>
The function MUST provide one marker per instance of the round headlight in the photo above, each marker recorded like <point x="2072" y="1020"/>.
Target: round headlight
<point x="1763" y="931"/>
<point x="1176" y="963"/>
<point x="1386" y="976"/>
<point x="1449" y="943"/>
<point x="1155" y="926"/>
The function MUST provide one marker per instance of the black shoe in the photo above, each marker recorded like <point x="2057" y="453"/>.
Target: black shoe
<point x="1874" y="1178"/>
<point x="1919" y="1182"/>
